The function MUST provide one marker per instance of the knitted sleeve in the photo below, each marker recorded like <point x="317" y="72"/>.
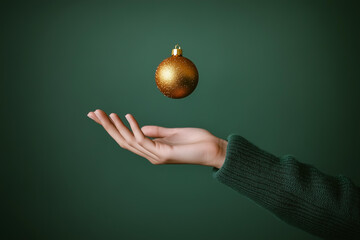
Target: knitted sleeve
<point x="297" y="193"/>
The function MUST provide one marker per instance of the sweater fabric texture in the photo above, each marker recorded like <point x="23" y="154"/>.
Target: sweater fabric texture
<point x="297" y="193"/>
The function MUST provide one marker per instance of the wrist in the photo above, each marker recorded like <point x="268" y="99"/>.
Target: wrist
<point x="222" y="153"/>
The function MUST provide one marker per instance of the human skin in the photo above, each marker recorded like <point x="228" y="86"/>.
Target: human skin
<point x="168" y="146"/>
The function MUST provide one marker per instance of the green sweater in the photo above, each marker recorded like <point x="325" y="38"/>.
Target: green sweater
<point x="297" y="193"/>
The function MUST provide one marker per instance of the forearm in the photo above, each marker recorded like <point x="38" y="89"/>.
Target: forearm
<point x="297" y="193"/>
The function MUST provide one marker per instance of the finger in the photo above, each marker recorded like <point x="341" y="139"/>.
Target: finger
<point x="93" y="117"/>
<point x="114" y="133"/>
<point x="144" y="155"/>
<point x="109" y="127"/>
<point x="156" y="131"/>
<point x="120" y="126"/>
<point x="139" y="135"/>
<point x="129" y="137"/>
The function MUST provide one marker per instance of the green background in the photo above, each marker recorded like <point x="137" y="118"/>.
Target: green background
<point x="283" y="74"/>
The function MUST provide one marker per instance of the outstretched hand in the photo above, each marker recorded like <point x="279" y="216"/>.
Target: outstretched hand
<point x="168" y="146"/>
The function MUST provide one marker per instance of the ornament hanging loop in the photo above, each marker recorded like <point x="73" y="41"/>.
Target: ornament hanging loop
<point x="177" y="51"/>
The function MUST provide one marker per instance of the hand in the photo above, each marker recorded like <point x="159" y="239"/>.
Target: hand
<point x="169" y="146"/>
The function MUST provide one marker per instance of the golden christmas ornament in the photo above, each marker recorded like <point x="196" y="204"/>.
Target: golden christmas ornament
<point x="176" y="76"/>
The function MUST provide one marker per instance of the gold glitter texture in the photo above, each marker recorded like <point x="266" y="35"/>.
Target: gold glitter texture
<point x="176" y="76"/>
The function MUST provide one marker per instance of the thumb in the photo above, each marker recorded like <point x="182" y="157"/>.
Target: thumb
<point x="156" y="131"/>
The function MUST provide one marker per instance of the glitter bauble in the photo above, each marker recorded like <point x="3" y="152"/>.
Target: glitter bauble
<point x="176" y="76"/>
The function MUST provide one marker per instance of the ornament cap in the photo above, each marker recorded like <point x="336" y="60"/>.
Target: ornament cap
<point x="177" y="51"/>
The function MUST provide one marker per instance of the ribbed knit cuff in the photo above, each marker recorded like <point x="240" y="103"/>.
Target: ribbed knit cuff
<point x="241" y="162"/>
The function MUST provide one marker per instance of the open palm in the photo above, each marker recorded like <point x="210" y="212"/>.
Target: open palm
<point x="168" y="146"/>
